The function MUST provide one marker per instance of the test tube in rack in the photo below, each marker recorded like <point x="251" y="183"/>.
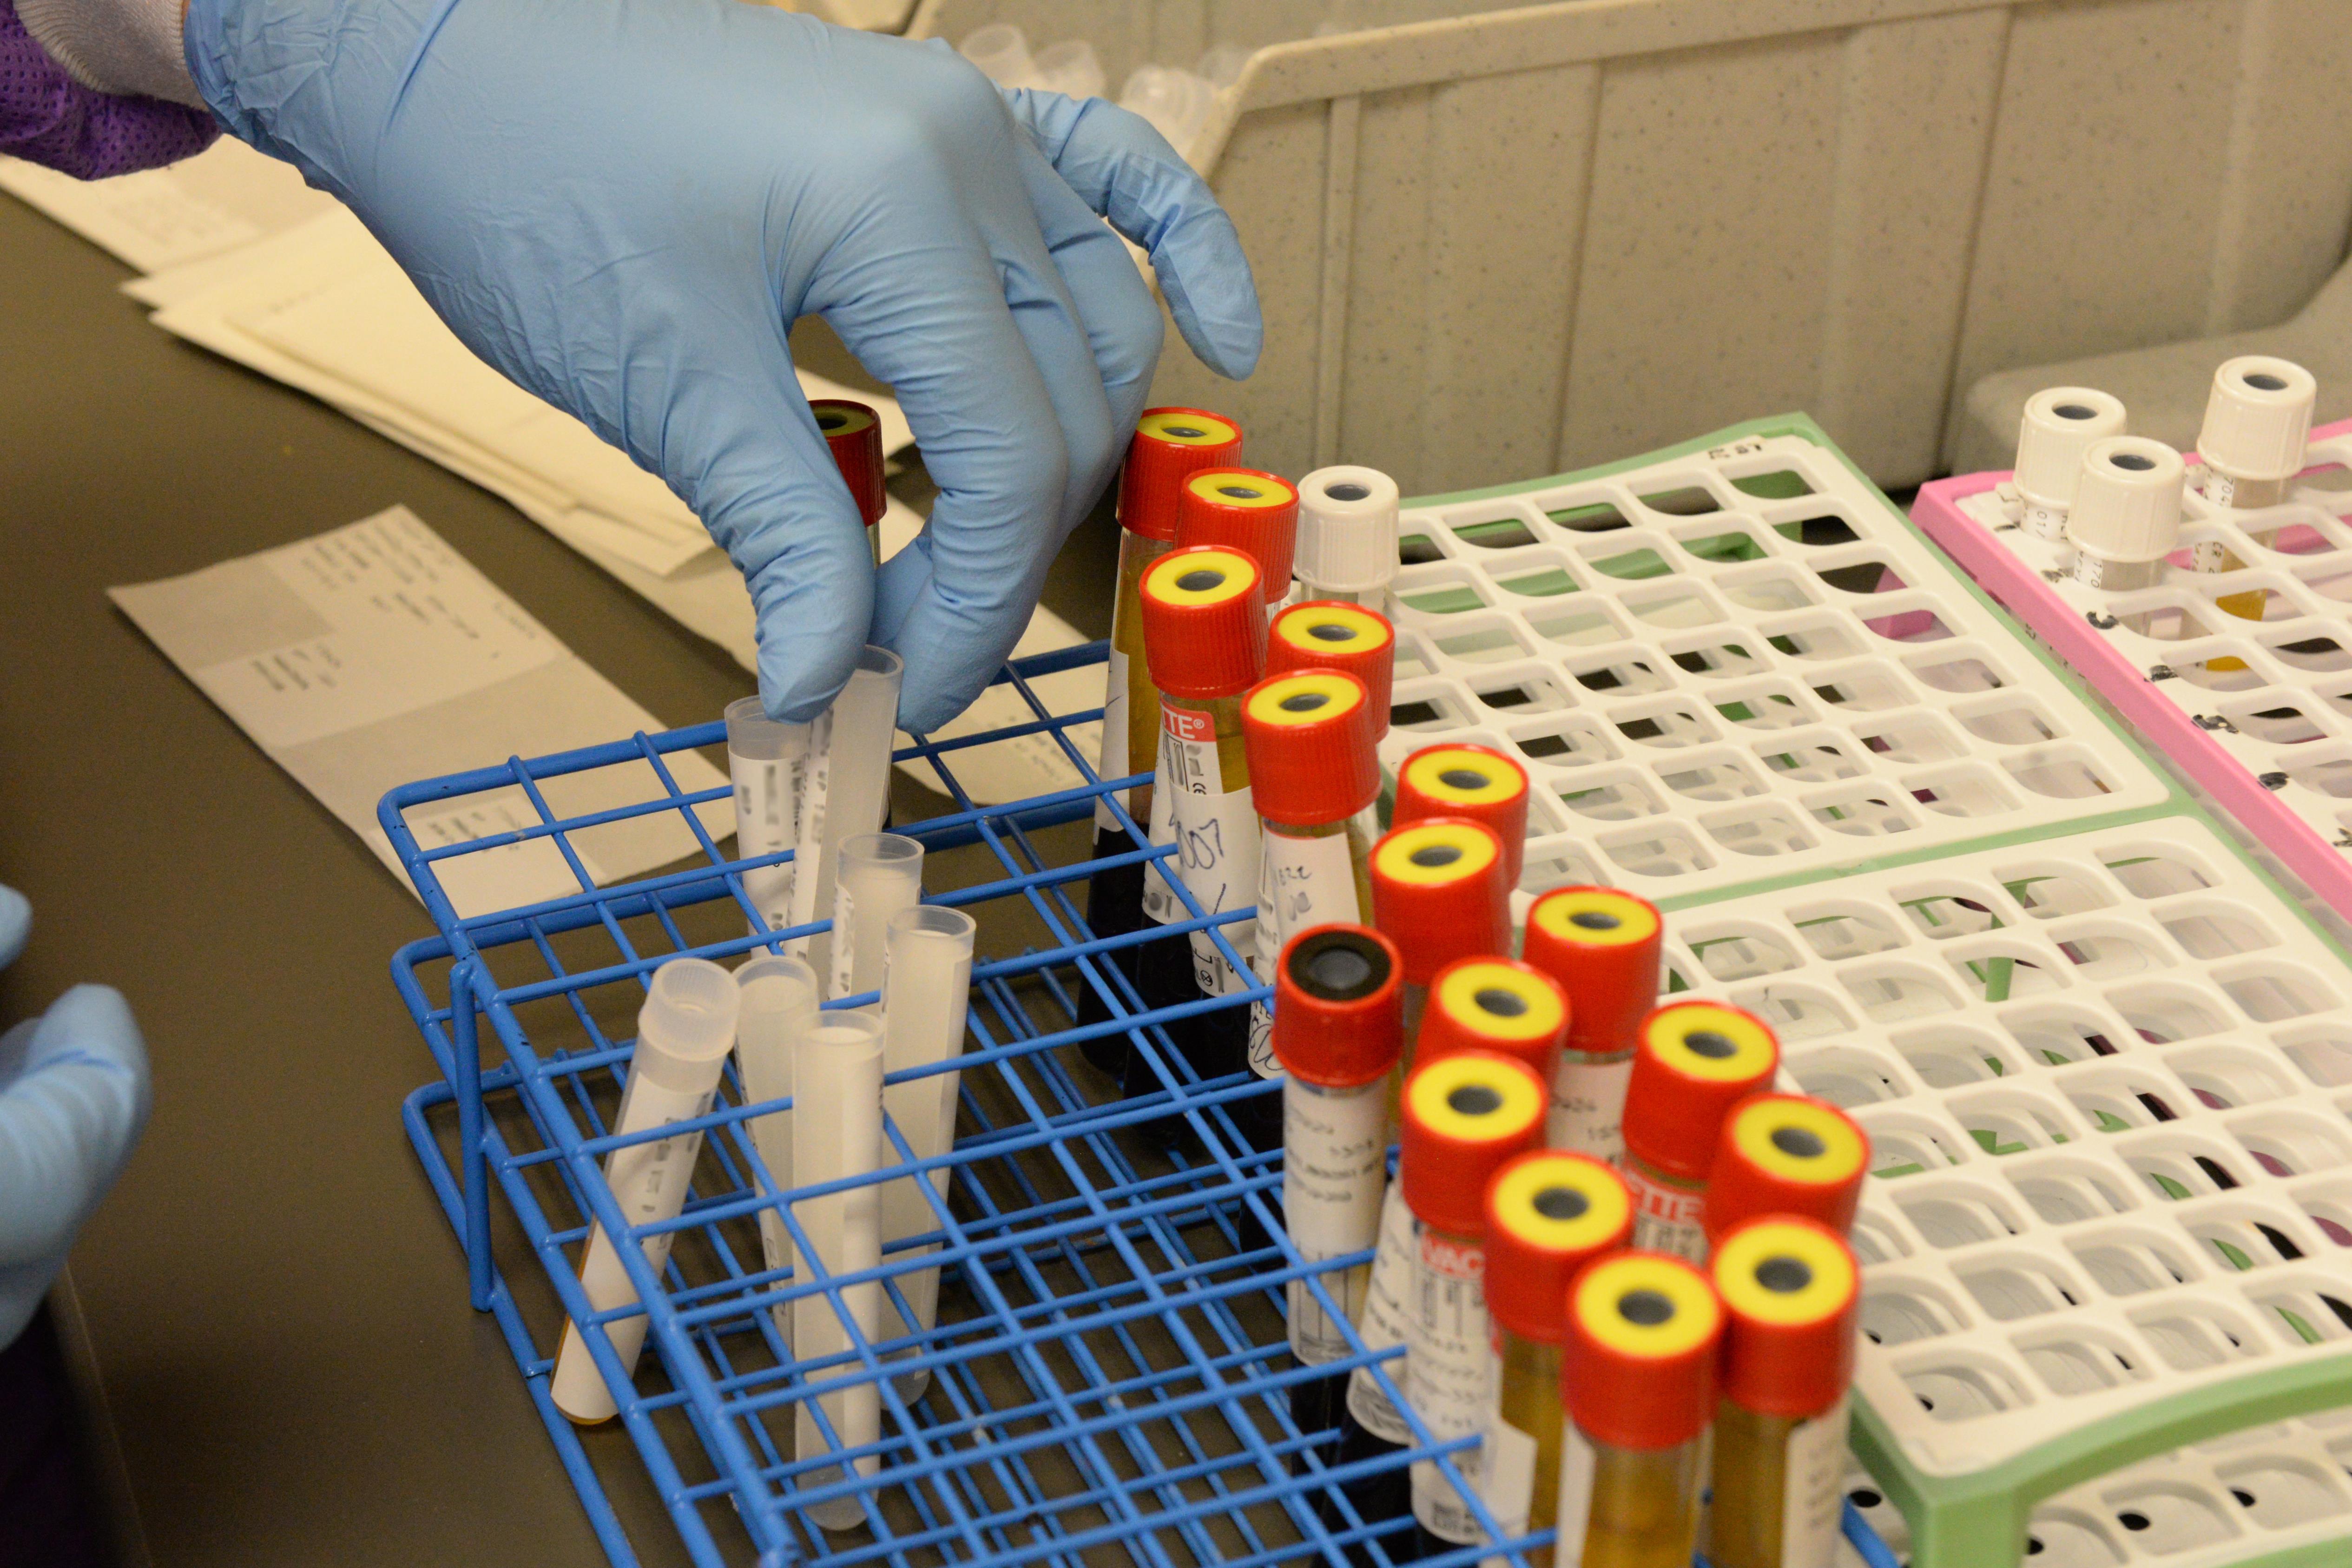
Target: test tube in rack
<point x="846" y="789"/>
<point x="779" y="996"/>
<point x="1639" y="1393"/>
<point x="1549" y="1214"/>
<point x="854" y="432"/>
<point x="1244" y="510"/>
<point x="1466" y="1116"/>
<point x="2126" y="514"/>
<point x="926" y="996"/>
<point x="767" y="760"/>
<point x="1347" y="548"/>
<point x="1790" y="1291"/>
<point x="1167" y="444"/>
<point x="1604" y="947"/>
<point x="1474" y="782"/>
<point x="1438" y="891"/>
<point x="1324" y="635"/>
<point x="879" y="875"/>
<point x="1498" y="1005"/>
<point x="838" y="1136"/>
<point x="2257" y="423"/>
<point x="1786" y="1154"/>
<point x="1693" y="1062"/>
<point x="2059" y="425"/>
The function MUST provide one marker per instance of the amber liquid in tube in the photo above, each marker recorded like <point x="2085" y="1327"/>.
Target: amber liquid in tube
<point x="1643" y="1507"/>
<point x="1529" y="1400"/>
<point x="1747" y="1525"/>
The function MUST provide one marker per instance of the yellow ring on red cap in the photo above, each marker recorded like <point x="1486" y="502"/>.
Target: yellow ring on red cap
<point x="1296" y="627"/>
<point x="1696" y="1317"/>
<point x="1842" y="1150"/>
<point x="1392" y="856"/>
<point x="1218" y="486"/>
<point x="1342" y="694"/>
<point x="1541" y="1017"/>
<point x="1182" y="428"/>
<point x="1669" y="1028"/>
<point x="1425" y="773"/>
<point x="1238" y="576"/>
<point x="1429" y="1096"/>
<point x="1739" y="1263"/>
<point x="1555" y="914"/>
<point x="853" y="416"/>
<point x="1606" y="1205"/>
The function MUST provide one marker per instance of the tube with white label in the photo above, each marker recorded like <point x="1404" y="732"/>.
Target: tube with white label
<point x="838" y="1136"/>
<point x="2059" y="425"/>
<point x="779" y="1002"/>
<point x="2126" y="514"/>
<point x="1692" y="1063"/>
<point x="1604" y="948"/>
<point x="881" y="874"/>
<point x="685" y="1028"/>
<point x="848" y="791"/>
<point x="766" y="759"/>
<point x="926" y="990"/>
<point x="1466" y="1117"/>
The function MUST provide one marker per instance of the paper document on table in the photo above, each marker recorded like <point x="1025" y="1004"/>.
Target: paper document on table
<point x="225" y="197"/>
<point x="374" y="656"/>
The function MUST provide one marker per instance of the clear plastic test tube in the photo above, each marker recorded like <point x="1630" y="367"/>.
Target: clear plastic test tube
<point x="880" y="874"/>
<point x="779" y="995"/>
<point x="2058" y="425"/>
<point x="838" y="1136"/>
<point x="685" y="1028"/>
<point x="848" y="791"/>
<point x="1547" y="1215"/>
<point x="925" y="996"/>
<point x="1244" y="510"/>
<point x="1339" y="1034"/>
<point x="1466" y="1116"/>
<point x="1605" y="948"/>
<point x="1790" y="1291"/>
<point x="1473" y="781"/>
<point x="1693" y="1062"/>
<point x="1786" y="1154"/>
<point x="1347" y="535"/>
<point x="1438" y="892"/>
<point x="1639" y="1390"/>
<point x="1498" y="1005"/>
<point x="1167" y="444"/>
<point x="766" y="759"/>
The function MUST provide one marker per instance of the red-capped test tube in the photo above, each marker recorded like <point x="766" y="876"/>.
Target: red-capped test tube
<point x="1338" y="1032"/>
<point x="1475" y="782"/>
<point x="1438" y="891"/>
<point x="854" y="431"/>
<point x="1244" y="510"/>
<point x="1464" y="1117"/>
<point x="1204" y="641"/>
<point x="1549" y="1214"/>
<point x="1639" y="1388"/>
<point x="1786" y="1154"/>
<point x="1321" y="634"/>
<point x="1496" y="1005"/>
<point x="1604" y="948"/>
<point x="1789" y="1290"/>
<point x="1313" y="770"/>
<point x="1694" y="1061"/>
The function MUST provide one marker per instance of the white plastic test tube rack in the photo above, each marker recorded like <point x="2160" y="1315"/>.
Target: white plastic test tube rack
<point x="1734" y="663"/>
<point x="2107" y="1080"/>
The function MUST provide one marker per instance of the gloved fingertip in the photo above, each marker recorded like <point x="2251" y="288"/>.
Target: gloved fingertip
<point x="98" y="1017"/>
<point x="16" y="924"/>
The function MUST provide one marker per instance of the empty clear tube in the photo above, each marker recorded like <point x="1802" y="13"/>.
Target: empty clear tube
<point x="847" y="790"/>
<point x="838" y="1136"/>
<point x="924" y="998"/>
<point x="685" y="1028"/>
<point x="767" y="760"/>
<point x="880" y="875"/>
<point x="778" y="1003"/>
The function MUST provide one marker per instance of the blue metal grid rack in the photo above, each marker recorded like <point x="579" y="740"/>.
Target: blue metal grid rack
<point x="1110" y="1376"/>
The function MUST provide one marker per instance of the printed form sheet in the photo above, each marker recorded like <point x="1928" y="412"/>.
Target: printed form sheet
<point x="375" y="654"/>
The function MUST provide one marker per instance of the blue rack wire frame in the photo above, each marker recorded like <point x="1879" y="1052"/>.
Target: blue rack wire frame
<point x="1109" y="1374"/>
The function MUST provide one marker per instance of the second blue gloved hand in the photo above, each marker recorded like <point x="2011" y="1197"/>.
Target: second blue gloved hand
<point x="623" y="204"/>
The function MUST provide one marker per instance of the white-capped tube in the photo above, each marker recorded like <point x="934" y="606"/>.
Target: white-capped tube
<point x="881" y="874"/>
<point x="2127" y="513"/>
<point x="838" y="1136"/>
<point x="847" y="789"/>
<point x="2059" y="426"/>
<point x="924" y="1000"/>
<point x="780" y="997"/>
<point x="1347" y="535"/>
<point x="2257" y="423"/>
<point x="685" y="1028"/>
<point x="1000" y="50"/>
<point x="766" y="758"/>
<point x="1070" y="67"/>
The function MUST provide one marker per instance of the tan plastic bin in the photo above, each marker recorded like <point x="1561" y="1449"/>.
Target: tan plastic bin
<point x="1504" y="243"/>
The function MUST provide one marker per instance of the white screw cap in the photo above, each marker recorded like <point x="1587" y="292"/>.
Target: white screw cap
<point x="2060" y="424"/>
<point x="2258" y="419"/>
<point x="1346" y="530"/>
<point x="2127" y="500"/>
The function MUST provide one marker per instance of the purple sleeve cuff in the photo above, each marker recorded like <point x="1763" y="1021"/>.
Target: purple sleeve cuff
<point x="47" y="118"/>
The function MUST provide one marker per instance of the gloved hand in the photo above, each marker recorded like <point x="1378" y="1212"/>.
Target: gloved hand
<point x="625" y="203"/>
<point x="73" y="1097"/>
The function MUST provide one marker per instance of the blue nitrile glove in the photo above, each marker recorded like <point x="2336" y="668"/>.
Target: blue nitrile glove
<point x="625" y="203"/>
<point x="73" y="1096"/>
